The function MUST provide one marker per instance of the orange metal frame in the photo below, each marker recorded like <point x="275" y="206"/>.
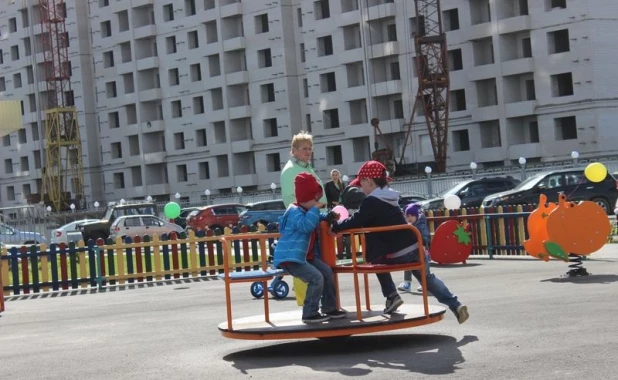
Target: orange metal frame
<point x="328" y="252"/>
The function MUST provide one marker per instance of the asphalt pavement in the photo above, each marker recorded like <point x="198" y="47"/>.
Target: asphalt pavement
<point x="525" y="323"/>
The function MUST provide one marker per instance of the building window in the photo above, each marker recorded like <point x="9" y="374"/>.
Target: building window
<point x="458" y="100"/>
<point x="14" y="53"/>
<point x="328" y="82"/>
<point x="391" y="32"/>
<point x="299" y="17"/>
<point x="302" y="53"/>
<point x="398" y="109"/>
<point x="10" y="193"/>
<point x="305" y="87"/>
<point x="181" y="173"/>
<point x="179" y="140"/>
<point x="333" y="155"/>
<point x="325" y="46"/>
<point x="211" y="32"/>
<point x="21" y="136"/>
<point x="110" y="89"/>
<point x="193" y="40"/>
<point x="176" y="109"/>
<point x="190" y="8"/>
<point x="24" y="165"/>
<point x="116" y="150"/>
<point x="17" y="80"/>
<point x="331" y="118"/>
<point x="168" y="12"/>
<point x="113" y="119"/>
<point x="395" y="73"/>
<point x="562" y="84"/>
<point x="461" y="141"/>
<point x="558" y="41"/>
<point x="261" y="23"/>
<point x="526" y="46"/>
<point x="273" y="162"/>
<point x="321" y="9"/>
<point x="490" y="134"/>
<point x="203" y="170"/>
<point x="198" y="105"/>
<point x="174" y="78"/>
<point x="118" y="180"/>
<point x="106" y="29"/>
<point x="8" y="166"/>
<point x="264" y="58"/>
<point x="455" y="61"/>
<point x="555" y="4"/>
<point x="2" y="84"/>
<point x="451" y="19"/>
<point x="108" y="59"/>
<point x="268" y="92"/>
<point x="170" y="43"/>
<point x="13" y="25"/>
<point x="565" y="128"/>
<point x="200" y="138"/>
<point x="270" y="128"/>
<point x="196" y="72"/>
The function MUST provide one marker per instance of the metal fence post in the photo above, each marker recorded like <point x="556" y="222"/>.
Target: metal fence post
<point x="97" y="254"/>
<point x="429" y="187"/>
<point x="490" y="248"/>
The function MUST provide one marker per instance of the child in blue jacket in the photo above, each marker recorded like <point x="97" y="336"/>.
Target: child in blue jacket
<point x="414" y="216"/>
<point x="298" y="250"/>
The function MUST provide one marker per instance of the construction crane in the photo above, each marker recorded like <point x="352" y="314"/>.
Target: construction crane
<point x="433" y="88"/>
<point x="63" y="149"/>
<point x="433" y="78"/>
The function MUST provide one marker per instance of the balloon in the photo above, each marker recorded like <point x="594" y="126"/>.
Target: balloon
<point x="342" y="211"/>
<point x="595" y="172"/>
<point x="452" y="202"/>
<point x="171" y="210"/>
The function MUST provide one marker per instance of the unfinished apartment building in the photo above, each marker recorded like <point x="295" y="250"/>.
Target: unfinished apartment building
<point x="195" y="95"/>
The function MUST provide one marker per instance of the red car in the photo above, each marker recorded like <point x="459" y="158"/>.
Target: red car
<point x="215" y="216"/>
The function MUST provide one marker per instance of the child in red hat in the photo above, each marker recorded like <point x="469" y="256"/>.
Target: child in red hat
<point x="380" y="209"/>
<point x="298" y="250"/>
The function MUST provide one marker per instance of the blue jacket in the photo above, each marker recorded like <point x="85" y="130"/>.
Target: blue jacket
<point x="423" y="228"/>
<point x="296" y="226"/>
<point x="380" y="209"/>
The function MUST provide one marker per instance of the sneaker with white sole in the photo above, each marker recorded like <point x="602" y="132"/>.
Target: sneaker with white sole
<point x="419" y="289"/>
<point x="317" y="318"/>
<point x="337" y="314"/>
<point x="461" y="313"/>
<point x="392" y="303"/>
<point x="405" y="286"/>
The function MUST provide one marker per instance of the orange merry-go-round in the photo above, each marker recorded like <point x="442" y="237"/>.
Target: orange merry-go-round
<point x="362" y="318"/>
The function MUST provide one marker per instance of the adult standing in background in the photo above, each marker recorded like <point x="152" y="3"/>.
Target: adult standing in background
<point x="300" y="162"/>
<point x="334" y="189"/>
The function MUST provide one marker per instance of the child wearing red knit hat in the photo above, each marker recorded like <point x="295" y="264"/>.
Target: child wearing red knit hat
<point x="298" y="250"/>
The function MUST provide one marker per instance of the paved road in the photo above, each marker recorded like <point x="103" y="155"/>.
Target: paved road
<point x="524" y="324"/>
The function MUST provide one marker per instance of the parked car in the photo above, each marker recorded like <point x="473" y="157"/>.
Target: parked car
<point x="214" y="216"/>
<point x="264" y="212"/>
<point x="472" y="192"/>
<point x="406" y="199"/>
<point x="69" y="232"/>
<point x="100" y="228"/>
<point x="184" y="213"/>
<point x="571" y="182"/>
<point x="141" y="225"/>
<point x="13" y="236"/>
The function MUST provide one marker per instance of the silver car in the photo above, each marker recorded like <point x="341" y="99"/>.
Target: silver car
<point x="13" y="236"/>
<point x="141" y="225"/>
<point x="69" y="232"/>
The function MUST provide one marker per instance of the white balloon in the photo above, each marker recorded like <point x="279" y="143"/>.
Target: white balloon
<point x="452" y="202"/>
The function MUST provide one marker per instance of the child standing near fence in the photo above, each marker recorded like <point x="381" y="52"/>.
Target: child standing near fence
<point x="298" y="250"/>
<point x="381" y="209"/>
<point x="415" y="216"/>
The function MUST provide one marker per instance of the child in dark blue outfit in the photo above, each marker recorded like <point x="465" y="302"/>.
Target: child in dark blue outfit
<point x="381" y="209"/>
<point x="414" y="216"/>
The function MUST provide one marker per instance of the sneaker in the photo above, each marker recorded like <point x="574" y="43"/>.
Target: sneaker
<point x="461" y="313"/>
<point x="404" y="286"/>
<point x="392" y="303"/>
<point x="318" y="318"/>
<point x="419" y="289"/>
<point x="337" y="314"/>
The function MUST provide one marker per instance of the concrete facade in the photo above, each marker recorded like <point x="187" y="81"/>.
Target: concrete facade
<point x="180" y="96"/>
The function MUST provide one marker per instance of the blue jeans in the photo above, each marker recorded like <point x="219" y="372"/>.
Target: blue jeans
<point x="320" y="282"/>
<point x="435" y="286"/>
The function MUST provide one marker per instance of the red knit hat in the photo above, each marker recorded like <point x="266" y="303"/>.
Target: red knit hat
<point x="370" y="169"/>
<point x="307" y="188"/>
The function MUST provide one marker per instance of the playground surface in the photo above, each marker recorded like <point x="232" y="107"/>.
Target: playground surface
<point x="525" y="323"/>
